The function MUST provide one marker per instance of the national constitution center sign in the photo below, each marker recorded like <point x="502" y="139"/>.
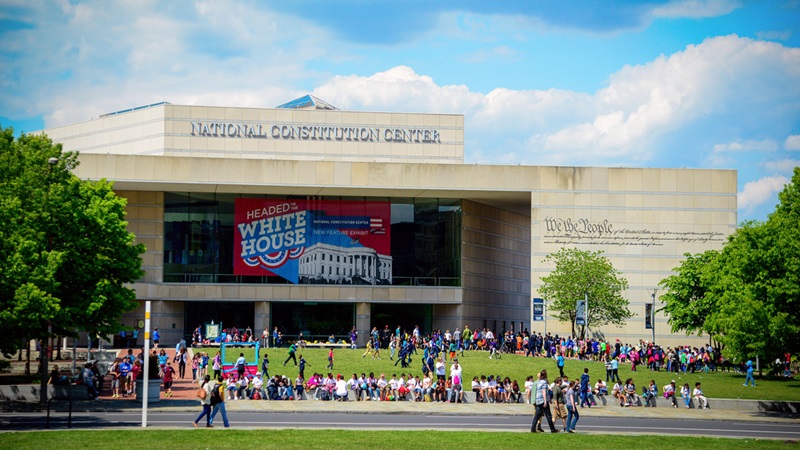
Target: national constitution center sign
<point x="314" y="241"/>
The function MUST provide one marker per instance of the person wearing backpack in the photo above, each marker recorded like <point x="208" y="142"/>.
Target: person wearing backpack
<point x="204" y="394"/>
<point x="217" y="402"/>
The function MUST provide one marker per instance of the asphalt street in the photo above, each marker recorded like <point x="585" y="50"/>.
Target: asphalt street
<point x="256" y="419"/>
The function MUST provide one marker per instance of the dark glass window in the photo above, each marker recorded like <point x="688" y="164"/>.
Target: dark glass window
<point x="199" y="240"/>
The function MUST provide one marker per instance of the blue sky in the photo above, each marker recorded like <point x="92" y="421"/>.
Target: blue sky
<point x="684" y="83"/>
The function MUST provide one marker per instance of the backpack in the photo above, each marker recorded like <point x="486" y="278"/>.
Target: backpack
<point x="216" y="397"/>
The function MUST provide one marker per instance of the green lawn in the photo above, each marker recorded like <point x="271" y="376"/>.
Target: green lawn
<point x="346" y="439"/>
<point x="477" y="363"/>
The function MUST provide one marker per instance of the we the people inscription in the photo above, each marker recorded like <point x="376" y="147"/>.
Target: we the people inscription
<point x="583" y="231"/>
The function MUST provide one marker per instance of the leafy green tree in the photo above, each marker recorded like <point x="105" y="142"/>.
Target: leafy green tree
<point x="686" y="301"/>
<point x="747" y="296"/>
<point x="577" y="273"/>
<point x="66" y="257"/>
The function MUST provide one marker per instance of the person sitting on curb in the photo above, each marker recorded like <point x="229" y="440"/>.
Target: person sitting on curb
<point x="600" y="388"/>
<point x="258" y="388"/>
<point x="651" y="394"/>
<point x="232" y="388"/>
<point x="340" y="393"/>
<point x="669" y="393"/>
<point x="702" y="401"/>
<point x="631" y="397"/>
<point x="686" y="394"/>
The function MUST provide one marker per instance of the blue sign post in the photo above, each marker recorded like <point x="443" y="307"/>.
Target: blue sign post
<point x="538" y="310"/>
<point x="582" y="311"/>
<point x="538" y="313"/>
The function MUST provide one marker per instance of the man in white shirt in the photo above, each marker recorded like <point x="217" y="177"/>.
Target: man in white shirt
<point x="440" y="369"/>
<point x="341" y="388"/>
<point x="383" y="387"/>
<point x="258" y="386"/>
<point x="702" y="401"/>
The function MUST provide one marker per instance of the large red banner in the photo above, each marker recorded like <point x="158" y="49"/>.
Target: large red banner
<point x="313" y="241"/>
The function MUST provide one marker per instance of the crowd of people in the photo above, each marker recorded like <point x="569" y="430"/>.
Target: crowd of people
<point x="436" y="350"/>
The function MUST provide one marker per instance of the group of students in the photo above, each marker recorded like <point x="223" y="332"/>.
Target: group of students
<point x="627" y="395"/>
<point x="495" y="389"/>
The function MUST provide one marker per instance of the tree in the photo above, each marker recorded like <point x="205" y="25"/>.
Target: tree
<point x="747" y="295"/>
<point x="578" y="273"/>
<point x="686" y="302"/>
<point x="66" y="257"/>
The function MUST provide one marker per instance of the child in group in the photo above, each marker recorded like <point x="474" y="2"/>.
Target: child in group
<point x="231" y="387"/>
<point x="702" y="402"/>
<point x="685" y="393"/>
<point x="528" y="389"/>
<point x="669" y="392"/>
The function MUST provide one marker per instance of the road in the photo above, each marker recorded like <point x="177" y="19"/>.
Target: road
<point x="96" y="420"/>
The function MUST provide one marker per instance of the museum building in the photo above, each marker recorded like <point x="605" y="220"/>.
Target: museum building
<point x="315" y="220"/>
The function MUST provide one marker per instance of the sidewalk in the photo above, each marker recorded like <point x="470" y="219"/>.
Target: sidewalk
<point x="184" y="399"/>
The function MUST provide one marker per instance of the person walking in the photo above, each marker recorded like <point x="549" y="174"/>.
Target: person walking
<point x="542" y="404"/>
<point x="218" y="402"/>
<point x="181" y="358"/>
<point x="749" y="378"/>
<point x="292" y="350"/>
<point x="615" y="370"/>
<point x="560" y="365"/>
<point x="302" y="368"/>
<point x="573" y="392"/>
<point x="330" y="359"/>
<point x="167" y="378"/>
<point x="217" y="365"/>
<point x="265" y="366"/>
<point x="205" y="402"/>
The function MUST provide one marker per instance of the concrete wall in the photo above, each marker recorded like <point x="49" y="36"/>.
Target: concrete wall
<point x="169" y="130"/>
<point x="643" y="220"/>
<point x="495" y="267"/>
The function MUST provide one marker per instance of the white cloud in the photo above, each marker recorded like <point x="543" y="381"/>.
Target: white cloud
<point x="774" y="35"/>
<point x="725" y="101"/>
<point x="696" y="9"/>
<point x="96" y="57"/>
<point x="792" y="143"/>
<point x="494" y="54"/>
<point x="632" y="121"/>
<point x="782" y="166"/>
<point x="765" y="145"/>
<point x="755" y="193"/>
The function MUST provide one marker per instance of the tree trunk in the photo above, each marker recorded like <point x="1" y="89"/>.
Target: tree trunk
<point x="28" y="360"/>
<point x="43" y="369"/>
